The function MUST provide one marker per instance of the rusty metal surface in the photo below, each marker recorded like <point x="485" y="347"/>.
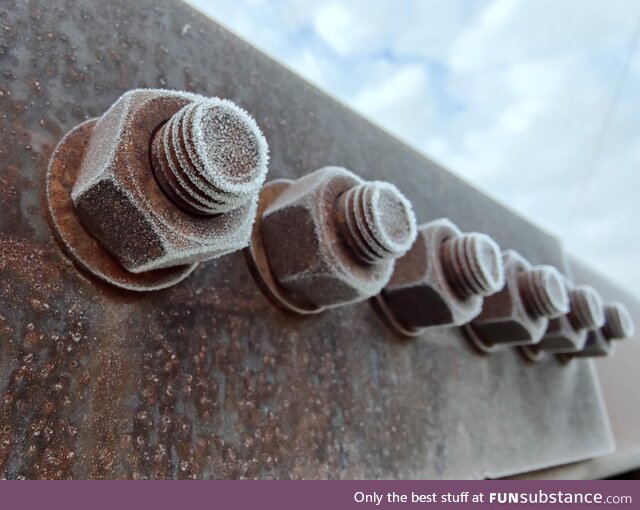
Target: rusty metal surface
<point x="207" y="378"/>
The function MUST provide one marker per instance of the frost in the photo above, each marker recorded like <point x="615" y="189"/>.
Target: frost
<point x="343" y="221"/>
<point x="217" y="154"/>
<point x="381" y="220"/>
<point x="219" y="167"/>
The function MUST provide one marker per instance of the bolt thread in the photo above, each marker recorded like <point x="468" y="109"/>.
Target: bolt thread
<point x="587" y="308"/>
<point x="618" y="323"/>
<point x="473" y="265"/>
<point x="377" y="221"/>
<point x="209" y="158"/>
<point x="544" y="292"/>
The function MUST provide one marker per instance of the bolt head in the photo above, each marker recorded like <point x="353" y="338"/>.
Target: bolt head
<point x="561" y="335"/>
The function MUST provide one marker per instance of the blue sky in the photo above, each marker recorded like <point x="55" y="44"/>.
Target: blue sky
<point x="533" y="101"/>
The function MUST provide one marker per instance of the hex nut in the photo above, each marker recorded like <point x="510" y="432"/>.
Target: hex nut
<point x="120" y="202"/>
<point x="618" y="325"/>
<point x="441" y="281"/>
<point x="596" y="345"/>
<point x="561" y="336"/>
<point x="569" y="332"/>
<point x="332" y="238"/>
<point x="518" y="314"/>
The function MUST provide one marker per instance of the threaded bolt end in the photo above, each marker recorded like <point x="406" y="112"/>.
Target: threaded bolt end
<point x="210" y="157"/>
<point x="377" y="221"/>
<point x="587" y="308"/>
<point x="618" y="322"/>
<point x="544" y="292"/>
<point x="473" y="265"/>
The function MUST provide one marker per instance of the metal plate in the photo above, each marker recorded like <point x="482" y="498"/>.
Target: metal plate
<point x="620" y="381"/>
<point x="207" y="379"/>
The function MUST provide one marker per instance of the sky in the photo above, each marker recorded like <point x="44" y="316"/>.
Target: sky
<point x="533" y="101"/>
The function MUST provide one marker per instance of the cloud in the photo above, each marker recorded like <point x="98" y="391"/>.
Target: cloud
<point x="400" y="96"/>
<point x="511" y="94"/>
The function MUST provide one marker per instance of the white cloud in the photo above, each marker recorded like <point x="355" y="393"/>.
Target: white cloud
<point x="511" y="94"/>
<point x="335" y="25"/>
<point x="401" y="97"/>
<point x="509" y="30"/>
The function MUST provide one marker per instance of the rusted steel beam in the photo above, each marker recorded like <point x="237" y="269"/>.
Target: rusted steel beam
<point x="207" y="378"/>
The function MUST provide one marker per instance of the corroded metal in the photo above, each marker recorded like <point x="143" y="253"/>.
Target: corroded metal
<point x="568" y="333"/>
<point x="618" y="325"/>
<point x="331" y="238"/>
<point x="206" y="379"/>
<point x="121" y="204"/>
<point x="442" y="279"/>
<point x="519" y="314"/>
<point x="83" y="248"/>
<point x="210" y="158"/>
<point x="258" y="262"/>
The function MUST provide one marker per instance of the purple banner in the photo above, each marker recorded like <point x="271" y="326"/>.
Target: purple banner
<point x="321" y="495"/>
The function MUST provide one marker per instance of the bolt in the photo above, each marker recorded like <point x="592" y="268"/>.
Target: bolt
<point x="207" y="157"/>
<point x="442" y="279"/>
<point x="519" y="314"/>
<point x="618" y="323"/>
<point x="568" y="331"/>
<point x="375" y="221"/>
<point x="587" y="308"/>
<point x="543" y="292"/>
<point x="473" y="265"/>
<point x="330" y="238"/>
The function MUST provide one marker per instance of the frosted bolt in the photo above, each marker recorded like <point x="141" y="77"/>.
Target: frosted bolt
<point x="442" y="280"/>
<point x="473" y="265"/>
<point x="210" y="157"/>
<point x="209" y="160"/>
<point x="329" y="238"/>
<point x="587" y="308"/>
<point x="618" y="323"/>
<point x="544" y="292"/>
<point x="376" y="221"/>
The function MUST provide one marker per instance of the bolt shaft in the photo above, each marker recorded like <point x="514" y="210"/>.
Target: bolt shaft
<point x="209" y="158"/>
<point x="618" y="323"/>
<point x="473" y="265"/>
<point x="587" y="308"/>
<point x="376" y="221"/>
<point x="544" y="292"/>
